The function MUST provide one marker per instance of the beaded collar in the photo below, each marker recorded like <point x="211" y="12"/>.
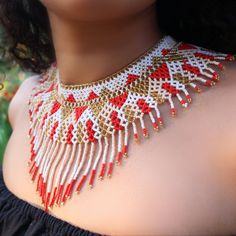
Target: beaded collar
<point x="78" y="132"/>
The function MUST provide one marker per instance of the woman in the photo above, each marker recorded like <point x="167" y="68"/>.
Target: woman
<point x="181" y="181"/>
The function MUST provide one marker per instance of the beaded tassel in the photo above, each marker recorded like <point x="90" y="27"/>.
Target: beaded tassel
<point x="78" y="133"/>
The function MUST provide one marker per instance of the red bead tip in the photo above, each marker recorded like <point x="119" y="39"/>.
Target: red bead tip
<point x="43" y="192"/>
<point x="209" y="83"/>
<point x="59" y="194"/>
<point x="81" y="183"/>
<point x="119" y="157"/>
<point x="215" y="76"/>
<point x="91" y="180"/>
<point x="39" y="182"/>
<point x="125" y="149"/>
<point x="54" y="197"/>
<point x="229" y="57"/>
<point x="160" y="121"/>
<point x="102" y="172"/>
<point x="32" y="140"/>
<point x="32" y="156"/>
<point x="110" y="169"/>
<point x="145" y="132"/>
<point x="173" y="111"/>
<point x="221" y="66"/>
<point x="136" y="137"/>
<point x="189" y="98"/>
<point x="71" y="188"/>
<point x="183" y="102"/>
<point x="65" y="193"/>
<point x="198" y="89"/>
<point x="47" y="201"/>
<point x="155" y="126"/>
<point x="32" y="167"/>
<point x="35" y="173"/>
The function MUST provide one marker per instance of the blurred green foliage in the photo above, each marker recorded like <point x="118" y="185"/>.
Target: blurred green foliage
<point x="11" y="77"/>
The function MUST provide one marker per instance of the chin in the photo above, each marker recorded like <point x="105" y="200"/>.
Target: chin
<point x="95" y="10"/>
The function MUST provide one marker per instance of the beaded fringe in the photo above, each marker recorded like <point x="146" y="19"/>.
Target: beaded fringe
<point x="72" y="162"/>
<point x="63" y="168"/>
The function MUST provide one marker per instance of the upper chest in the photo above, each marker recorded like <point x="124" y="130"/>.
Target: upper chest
<point x="182" y="175"/>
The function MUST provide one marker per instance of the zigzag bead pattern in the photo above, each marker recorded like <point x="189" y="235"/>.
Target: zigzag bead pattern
<point x="73" y="127"/>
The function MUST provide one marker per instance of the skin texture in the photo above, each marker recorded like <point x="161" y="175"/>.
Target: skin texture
<point x="92" y="10"/>
<point x="94" y="42"/>
<point x="181" y="181"/>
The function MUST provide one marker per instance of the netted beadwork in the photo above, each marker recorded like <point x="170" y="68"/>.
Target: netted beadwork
<point x="77" y="128"/>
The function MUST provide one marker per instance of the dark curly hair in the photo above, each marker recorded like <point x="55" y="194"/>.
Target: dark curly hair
<point x="210" y="24"/>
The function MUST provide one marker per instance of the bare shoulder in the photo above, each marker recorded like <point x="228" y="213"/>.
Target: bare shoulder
<point x="20" y="99"/>
<point x="230" y="69"/>
<point x="229" y="84"/>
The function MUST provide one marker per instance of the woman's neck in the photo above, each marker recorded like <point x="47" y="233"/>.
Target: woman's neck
<point x="89" y="51"/>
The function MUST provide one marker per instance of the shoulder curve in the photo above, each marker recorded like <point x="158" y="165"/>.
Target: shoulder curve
<point x="30" y="81"/>
<point x="20" y="99"/>
<point x="230" y="69"/>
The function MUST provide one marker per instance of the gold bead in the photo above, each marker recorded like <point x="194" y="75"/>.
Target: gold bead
<point x="109" y="176"/>
<point x="185" y="107"/>
<point x="125" y="155"/>
<point x="90" y="186"/>
<point x="137" y="140"/>
<point x="156" y="128"/>
<point x="100" y="178"/>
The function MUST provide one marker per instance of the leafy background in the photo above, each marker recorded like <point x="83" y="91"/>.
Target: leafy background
<point x="11" y="76"/>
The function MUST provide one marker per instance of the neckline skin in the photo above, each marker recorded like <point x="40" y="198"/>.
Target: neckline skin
<point x="98" y="49"/>
<point x="105" y="79"/>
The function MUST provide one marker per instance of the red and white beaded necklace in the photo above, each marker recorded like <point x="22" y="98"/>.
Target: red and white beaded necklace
<point x="78" y="132"/>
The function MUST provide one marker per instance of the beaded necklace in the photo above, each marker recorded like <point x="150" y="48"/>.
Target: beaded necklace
<point x="78" y="132"/>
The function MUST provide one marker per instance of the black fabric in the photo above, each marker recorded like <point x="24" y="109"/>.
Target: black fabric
<point x="19" y="218"/>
